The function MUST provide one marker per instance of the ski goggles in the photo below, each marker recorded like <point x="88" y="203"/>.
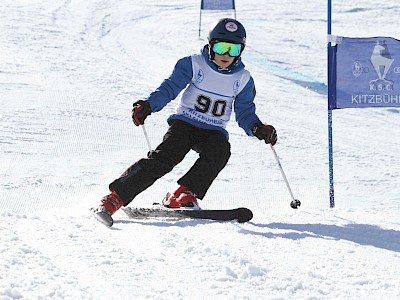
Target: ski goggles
<point x="222" y="48"/>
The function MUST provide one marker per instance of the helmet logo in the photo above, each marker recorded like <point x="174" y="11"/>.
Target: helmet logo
<point x="231" y="27"/>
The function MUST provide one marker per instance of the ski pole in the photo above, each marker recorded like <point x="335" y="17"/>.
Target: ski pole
<point x="294" y="203"/>
<point x="146" y="136"/>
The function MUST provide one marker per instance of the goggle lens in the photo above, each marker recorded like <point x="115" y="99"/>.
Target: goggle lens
<point x="222" y="48"/>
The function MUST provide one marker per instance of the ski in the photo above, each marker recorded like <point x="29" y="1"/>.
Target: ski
<point x="103" y="217"/>
<point x="241" y="214"/>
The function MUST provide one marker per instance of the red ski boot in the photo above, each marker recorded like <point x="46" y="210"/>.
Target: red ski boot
<point x="109" y="205"/>
<point x="181" y="198"/>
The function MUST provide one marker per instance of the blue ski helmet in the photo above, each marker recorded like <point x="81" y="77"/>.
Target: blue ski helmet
<point x="228" y="30"/>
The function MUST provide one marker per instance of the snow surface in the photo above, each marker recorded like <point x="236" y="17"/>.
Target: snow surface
<point x="69" y="72"/>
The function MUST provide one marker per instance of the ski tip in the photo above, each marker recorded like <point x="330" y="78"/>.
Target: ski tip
<point x="102" y="217"/>
<point x="244" y="215"/>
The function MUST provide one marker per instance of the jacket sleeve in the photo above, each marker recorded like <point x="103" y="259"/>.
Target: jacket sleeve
<point x="245" y="109"/>
<point x="173" y="85"/>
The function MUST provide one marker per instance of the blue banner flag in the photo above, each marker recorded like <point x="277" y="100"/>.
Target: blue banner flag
<point x="365" y="73"/>
<point x="217" y="4"/>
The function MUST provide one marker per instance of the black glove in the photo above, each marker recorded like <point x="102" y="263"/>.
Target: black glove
<point x="265" y="132"/>
<point x="141" y="109"/>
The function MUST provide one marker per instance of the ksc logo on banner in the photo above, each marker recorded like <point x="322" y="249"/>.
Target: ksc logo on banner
<point x="367" y="73"/>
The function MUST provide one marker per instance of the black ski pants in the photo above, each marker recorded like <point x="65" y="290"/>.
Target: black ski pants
<point x="211" y="145"/>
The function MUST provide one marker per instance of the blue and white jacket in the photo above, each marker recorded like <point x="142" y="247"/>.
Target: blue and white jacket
<point x="210" y="94"/>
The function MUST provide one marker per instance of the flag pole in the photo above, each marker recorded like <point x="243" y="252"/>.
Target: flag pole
<point x="330" y="140"/>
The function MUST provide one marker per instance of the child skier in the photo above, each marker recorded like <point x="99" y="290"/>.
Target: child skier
<point x="215" y="82"/>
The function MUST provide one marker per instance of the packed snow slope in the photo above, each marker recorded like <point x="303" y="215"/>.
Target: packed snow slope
<point x="69" y="73"/>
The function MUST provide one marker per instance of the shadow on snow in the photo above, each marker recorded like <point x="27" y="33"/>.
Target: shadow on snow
<point x="362" y="234"/>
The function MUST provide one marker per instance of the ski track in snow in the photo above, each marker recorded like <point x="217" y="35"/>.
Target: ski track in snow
<point x="69" y="72"/>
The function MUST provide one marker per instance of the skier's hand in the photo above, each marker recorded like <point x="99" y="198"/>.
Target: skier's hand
<point x="265" y="132"/>
<point x="141" y="109"/>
